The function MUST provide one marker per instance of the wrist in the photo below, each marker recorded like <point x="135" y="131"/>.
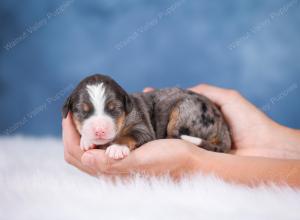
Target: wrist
<point x="201" y="161"/>
<point x="286" y="140"/>
<point x="289" y="137"/>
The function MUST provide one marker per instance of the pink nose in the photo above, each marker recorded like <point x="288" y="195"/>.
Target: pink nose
<point x="100" y="133"/>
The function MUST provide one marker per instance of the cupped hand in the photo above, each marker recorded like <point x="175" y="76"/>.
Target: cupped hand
<point x="72" y="150"/>
<point x="168" y="156"/>
<point x="155" y="158"/>
<point x="253" y="133"/>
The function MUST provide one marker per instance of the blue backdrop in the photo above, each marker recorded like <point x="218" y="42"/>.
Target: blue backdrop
<point x="47" y="46"/>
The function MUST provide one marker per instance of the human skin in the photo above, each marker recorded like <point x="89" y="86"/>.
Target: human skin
<point x="263" y="151"/>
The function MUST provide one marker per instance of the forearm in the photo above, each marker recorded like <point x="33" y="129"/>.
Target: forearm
<point x="249" y="170"/>
<point x="288" y="139"/>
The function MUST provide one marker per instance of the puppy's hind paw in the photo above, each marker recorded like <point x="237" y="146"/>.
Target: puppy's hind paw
<point x="117" y="151"/>
<point x="194" y="140"/>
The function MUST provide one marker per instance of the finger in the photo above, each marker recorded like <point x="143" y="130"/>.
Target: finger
<point x="74" y="162"/>
<point x="148" y="89"/>
<point x="71" y="138"/>
<point x="98" y="160"/>
<point x="95" y="159"/>
<point x="69" y="128"/>
<point x="216" y="94"/>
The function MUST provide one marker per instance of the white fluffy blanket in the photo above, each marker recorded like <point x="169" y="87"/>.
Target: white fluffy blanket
<point x="36" y="183"/>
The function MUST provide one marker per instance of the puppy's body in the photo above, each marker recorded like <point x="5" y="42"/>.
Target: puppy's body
<point x="173" y="112"/>
<point x="142" y="117"/>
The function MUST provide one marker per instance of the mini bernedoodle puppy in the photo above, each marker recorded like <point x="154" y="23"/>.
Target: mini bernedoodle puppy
<point x="108" y="118"/>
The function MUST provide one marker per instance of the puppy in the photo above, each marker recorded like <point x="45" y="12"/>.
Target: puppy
<point x="109" y="118"/>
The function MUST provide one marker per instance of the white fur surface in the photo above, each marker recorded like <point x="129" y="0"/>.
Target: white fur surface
<point x="36" y="184"/>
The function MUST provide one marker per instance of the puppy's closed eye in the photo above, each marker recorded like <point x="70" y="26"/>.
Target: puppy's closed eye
<point x="111" y="106"/>
<point x="114" y="108"/>
<point x="83" y="110"/>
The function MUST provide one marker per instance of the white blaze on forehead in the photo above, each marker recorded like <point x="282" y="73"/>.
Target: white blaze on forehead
<point x="97" y="97"/>
<point x="99" y="121"/>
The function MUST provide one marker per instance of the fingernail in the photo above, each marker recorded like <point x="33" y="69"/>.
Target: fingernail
<point x="148" y="89"/>
<point x="88" y="159"/>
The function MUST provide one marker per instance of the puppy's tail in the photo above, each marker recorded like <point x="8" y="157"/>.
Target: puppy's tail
<point x="202" y="143"/>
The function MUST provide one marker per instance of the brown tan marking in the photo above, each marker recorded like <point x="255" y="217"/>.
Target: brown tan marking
<point x="128" y="141"/>
<point x="172" y="121"/>
<point x="86" y="107"/>
<point x="120" y="122"/>
<point x="214" y="140"/>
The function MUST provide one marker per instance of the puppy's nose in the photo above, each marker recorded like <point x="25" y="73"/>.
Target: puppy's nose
<point x="100" y="133"/>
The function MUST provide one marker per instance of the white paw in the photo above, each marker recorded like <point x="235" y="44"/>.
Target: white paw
<point x="117" y="151"/>
<point x="194" y="140"/>
<point x="86" y="144"/>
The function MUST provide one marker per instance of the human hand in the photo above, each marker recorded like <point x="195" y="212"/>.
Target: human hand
<point x="166" y="156"/>
<point x="253" y="133"/>
<point x="72" y="149"/>
<point x="172" y="156"/>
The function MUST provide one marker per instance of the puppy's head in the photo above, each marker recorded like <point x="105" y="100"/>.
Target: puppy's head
<point x="99" y="106"/>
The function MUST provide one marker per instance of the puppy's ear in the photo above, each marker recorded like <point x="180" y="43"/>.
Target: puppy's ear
<point x="67" y="106"/>
<point x="128" y="103"/>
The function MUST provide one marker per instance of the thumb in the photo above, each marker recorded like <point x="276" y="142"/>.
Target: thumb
<point x="148" y="89"/>
<point x="95" y="159"/>
<point x="218" y="95"/>
<point x="98" y="160"/>
<point x="69" y="129"/>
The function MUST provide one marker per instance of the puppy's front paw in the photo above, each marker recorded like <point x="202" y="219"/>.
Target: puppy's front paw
<point x="117" y="151"/>
<point x="86" y="144"/>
